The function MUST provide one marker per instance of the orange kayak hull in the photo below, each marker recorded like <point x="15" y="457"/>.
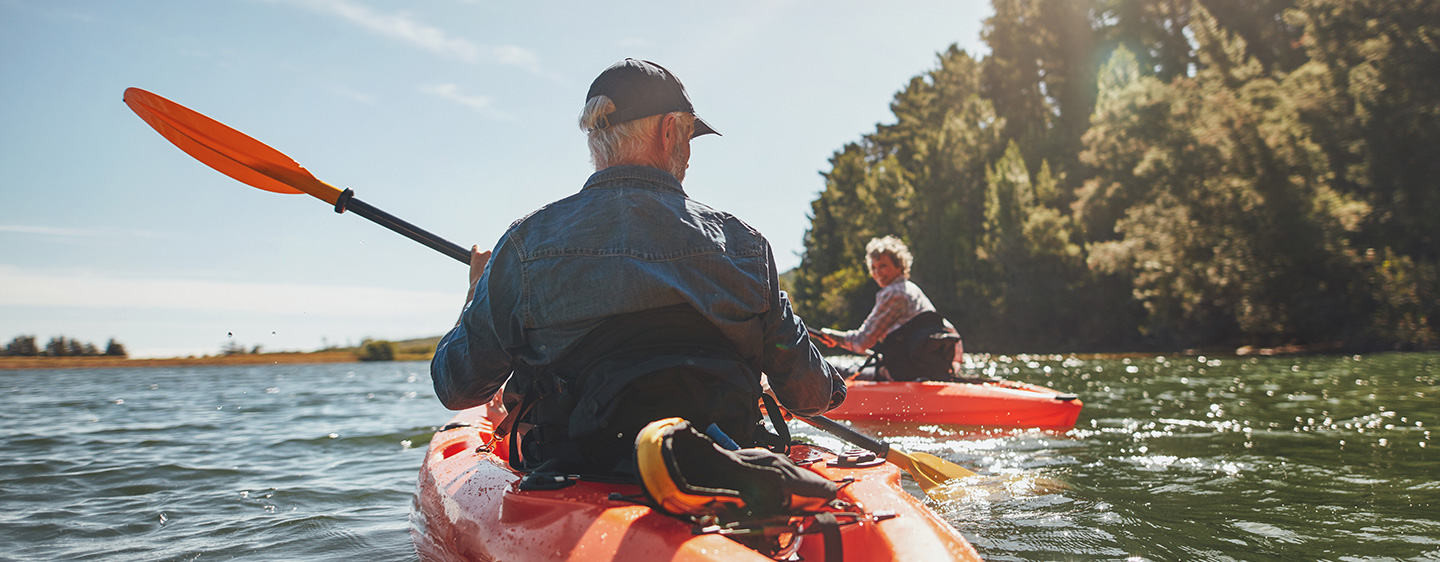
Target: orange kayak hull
<point x="468" y="506"/>
<point x="1001" y="404"/>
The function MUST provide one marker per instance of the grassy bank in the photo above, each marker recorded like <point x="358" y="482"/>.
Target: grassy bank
<point x="409" y="350"/>
<point x="235" y="359"/>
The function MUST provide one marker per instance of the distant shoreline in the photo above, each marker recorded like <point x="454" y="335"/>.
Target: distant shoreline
<point x="97" y="362"/>
<point x="409" y="354"/>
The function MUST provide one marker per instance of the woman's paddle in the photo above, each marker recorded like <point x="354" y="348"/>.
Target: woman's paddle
<point x="829" y="341"/>
<point x="254" y="163"/>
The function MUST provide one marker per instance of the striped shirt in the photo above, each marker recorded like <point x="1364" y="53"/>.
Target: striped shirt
<point x="895" y="304"/>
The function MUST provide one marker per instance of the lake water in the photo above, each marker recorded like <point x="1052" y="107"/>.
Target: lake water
<point x="1174" y="458"/>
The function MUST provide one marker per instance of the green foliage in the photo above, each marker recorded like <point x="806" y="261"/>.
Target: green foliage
<point x="115" y="349"/>
<point x="23" y="346"/>
<point x="1123" y="173"/>
<point x="377" y="350"/>
<point x="59" y="346"/>
<point x="232" y="347"/>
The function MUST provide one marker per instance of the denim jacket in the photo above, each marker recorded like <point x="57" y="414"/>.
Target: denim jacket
<point x="630" y="240"/>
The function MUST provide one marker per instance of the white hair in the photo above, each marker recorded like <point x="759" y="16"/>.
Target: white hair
<point x="625" y="143"/>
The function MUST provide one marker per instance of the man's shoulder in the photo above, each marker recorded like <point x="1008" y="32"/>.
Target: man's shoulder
<point x="719" y="215"/>
<point x="522" y="220"/>
<point x="609" y="204"/>
<point x="565" y="205"/>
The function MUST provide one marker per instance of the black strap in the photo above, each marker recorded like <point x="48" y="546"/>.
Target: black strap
<point x="830" y="529"/>
<point x="507" y="428"/>
<point x="531" y="396"/>
<point x="777" y="419"/>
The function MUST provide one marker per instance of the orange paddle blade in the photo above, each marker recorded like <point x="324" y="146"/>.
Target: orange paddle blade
<point x="228" y="151"/>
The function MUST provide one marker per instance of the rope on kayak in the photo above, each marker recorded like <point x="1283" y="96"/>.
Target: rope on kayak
<point x="765" y="534"/>
<point x="828" y="524"/>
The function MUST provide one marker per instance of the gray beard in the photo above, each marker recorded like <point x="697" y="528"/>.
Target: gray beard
<point x="677" y="164"/>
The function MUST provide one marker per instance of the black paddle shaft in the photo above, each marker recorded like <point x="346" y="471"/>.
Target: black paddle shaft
<point x="348" y="202"/>
<point x="854" y="437"/>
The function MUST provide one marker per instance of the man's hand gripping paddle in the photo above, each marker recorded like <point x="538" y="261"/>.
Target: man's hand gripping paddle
<point x="254" y="163"/>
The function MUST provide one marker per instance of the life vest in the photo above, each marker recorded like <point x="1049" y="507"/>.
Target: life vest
<point x="585" y="411"/>
<point x="923" y="348"/>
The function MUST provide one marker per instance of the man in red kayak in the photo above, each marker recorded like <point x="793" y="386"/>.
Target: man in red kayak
<point x="628" y="301"/>
<point x="914" y="341"/>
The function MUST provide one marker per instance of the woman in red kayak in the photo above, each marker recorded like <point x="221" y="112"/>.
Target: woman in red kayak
<point x="915" y="342"/>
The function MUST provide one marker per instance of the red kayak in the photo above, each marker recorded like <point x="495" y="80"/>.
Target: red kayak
<point x="468" y="507"/>
<point x="999" y="403"/>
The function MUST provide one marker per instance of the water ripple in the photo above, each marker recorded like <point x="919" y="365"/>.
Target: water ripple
<point x="1174" y="458"/>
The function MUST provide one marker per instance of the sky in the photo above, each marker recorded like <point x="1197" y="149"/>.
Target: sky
<point x="458" y="116"/>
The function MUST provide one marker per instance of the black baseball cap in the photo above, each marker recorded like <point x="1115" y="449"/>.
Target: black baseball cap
<point x="641" y="88"/>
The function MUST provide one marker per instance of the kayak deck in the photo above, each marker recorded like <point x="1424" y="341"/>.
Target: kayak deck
<point x="1004" y="404"/>
<point x="468" y="507"/>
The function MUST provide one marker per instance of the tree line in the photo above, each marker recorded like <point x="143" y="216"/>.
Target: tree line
<point x="60" y="346"/>
<point x="1157" y="174"/>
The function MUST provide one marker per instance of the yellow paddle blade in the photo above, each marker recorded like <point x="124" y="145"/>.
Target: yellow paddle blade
<point x="929" y="471"/>
<point x="941" y="466"/>
<point x="228" y="151"/>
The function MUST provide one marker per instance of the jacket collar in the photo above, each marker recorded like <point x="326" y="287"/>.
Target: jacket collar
<point x="624" y="176"/>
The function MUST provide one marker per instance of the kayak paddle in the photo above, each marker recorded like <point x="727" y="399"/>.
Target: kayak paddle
<point x="822" y="338"/>
<point x="929" y="471"/>
<point x="255" y="163"/>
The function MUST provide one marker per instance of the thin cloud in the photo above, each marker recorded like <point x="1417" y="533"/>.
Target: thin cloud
<point x="45" y="230"/>
<point x="452" y="92"/>
<point x="403" y="27"/>
<point x="517" y="56"/>
<point x="448" y="91"/>
<point x="354" y="95"/>
<point x="62" y="232"/>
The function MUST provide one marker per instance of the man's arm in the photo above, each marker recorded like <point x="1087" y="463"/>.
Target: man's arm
<point x="472" y="360"/>
<point x="803" y="381"/>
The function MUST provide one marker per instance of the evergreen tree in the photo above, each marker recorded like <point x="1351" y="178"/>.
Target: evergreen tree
<point x="1241" y="240"/>
<point x="1370" y="94"/>
<point x="1152" y="30"/>
<point x="114" y="348"/>
<point x="1237" y="172"/>
<point x="945" y="134"/>
<point x="23" y="346"/>
<point x="1270" y="39"/>
<point x="57" y="347"/>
